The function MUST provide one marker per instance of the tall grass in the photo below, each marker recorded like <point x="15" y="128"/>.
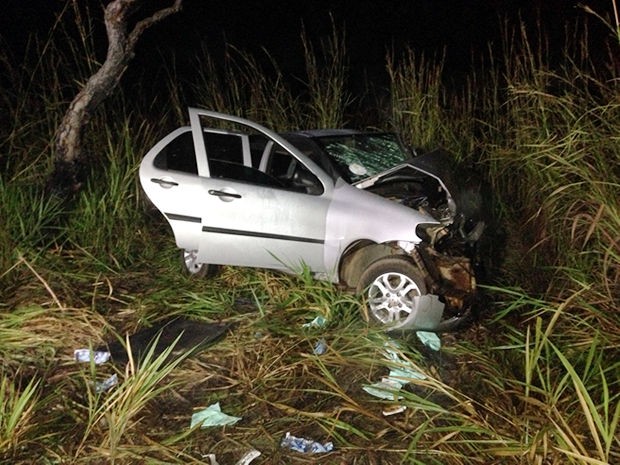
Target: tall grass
<point x="33" y="220"/>
<point x="418" y="99"/>
<point x="258" y="89"/>
<point x="326" y="81"/>
<point x="17" y="408"/>
<point x="108" y="212"/>
<point x="558" y="168"/>
<point x="37" y="89"/>
<point x="117" y="412"/>
<point x="242" y="86"/>
<point x="550" y="147"/>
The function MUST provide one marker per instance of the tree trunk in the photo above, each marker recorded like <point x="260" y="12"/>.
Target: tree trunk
<point x="121" y="46"/>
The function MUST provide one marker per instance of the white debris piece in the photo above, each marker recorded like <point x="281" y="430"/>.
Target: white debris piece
<point x="106" y="384"/>
<point x="86" y="355"/>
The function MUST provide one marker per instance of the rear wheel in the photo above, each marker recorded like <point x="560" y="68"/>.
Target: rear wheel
<point x="390" y="286"/>
<point x="192" y="267"/>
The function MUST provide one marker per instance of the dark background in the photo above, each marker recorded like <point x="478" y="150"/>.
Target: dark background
<point x="461" y="29"/>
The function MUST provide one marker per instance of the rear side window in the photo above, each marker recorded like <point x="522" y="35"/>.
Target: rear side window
<point x="178" y="155"/>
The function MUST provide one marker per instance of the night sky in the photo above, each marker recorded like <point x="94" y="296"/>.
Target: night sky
<point x="460" y="27"/>
<point x="372" y="28"/>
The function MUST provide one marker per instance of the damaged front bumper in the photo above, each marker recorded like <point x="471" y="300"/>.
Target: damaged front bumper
<point x="452" y="289"/>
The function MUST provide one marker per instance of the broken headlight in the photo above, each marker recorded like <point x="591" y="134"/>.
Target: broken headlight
<point x="431" y="232"/>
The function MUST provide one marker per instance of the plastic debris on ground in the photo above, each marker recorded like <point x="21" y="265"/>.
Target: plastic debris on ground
<point x="394" y="410"/>
<point x="430" y="340"/>
<point x="320" y="347"/>
<point x="98" y="357"/>
<point x="212" y="416"/>
<point x="245" y="460"/>
<point x="305" y="446"/>
<point x="398" y="377"/>
<point x="106" y="384"/>
<point x="211" y="458"/>
<point x="385" y="389"/>
<point x="248" y="457"/>
<point x="86" y="355"/>
<point x="319" y="322"/>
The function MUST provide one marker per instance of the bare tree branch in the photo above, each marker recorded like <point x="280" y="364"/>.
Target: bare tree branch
<point x="155" y="18"/>
<point x="100" y="85"/>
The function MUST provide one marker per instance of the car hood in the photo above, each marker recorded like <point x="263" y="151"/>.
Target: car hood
<point x="462" y="186"/>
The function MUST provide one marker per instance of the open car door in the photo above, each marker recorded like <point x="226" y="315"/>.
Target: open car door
<point x="263" y="203"/>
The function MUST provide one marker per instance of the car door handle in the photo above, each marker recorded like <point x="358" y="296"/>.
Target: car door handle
<point x="164" y="183"/>
<point x="223" y="194"/>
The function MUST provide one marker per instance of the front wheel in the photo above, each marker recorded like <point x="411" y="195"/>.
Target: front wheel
<point x="390" y="286"/>
<point x="193" y="268"/>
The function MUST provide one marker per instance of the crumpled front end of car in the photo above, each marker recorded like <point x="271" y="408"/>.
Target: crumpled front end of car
<point x="446" y="251"/>
<point x="451" y="278"/>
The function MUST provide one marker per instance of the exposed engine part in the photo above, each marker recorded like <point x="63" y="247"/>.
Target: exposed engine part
<point x="451" y="276"/>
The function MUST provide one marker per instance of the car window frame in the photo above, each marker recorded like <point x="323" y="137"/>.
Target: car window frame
<point x="164" y="143"/>
<point x="326" y="183"/>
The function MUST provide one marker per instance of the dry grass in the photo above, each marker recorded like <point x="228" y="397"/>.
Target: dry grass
<point x="477" y="403"/>
<point x="264" y="371"/>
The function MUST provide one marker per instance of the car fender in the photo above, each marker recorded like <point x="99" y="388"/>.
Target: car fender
<point x="357" y="215"/>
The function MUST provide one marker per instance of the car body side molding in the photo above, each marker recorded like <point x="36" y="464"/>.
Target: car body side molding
<point x="236" y="232"/>
<point x="189" y="219"/>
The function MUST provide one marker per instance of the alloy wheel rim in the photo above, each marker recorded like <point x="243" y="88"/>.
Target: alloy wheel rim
<point x="391" y="297"/>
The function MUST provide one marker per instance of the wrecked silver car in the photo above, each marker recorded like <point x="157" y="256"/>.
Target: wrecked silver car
<point x="356" y="208"/>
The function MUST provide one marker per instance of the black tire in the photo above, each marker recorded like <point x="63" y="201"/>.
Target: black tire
<point x="197" y="270"/>
<point x="388" y="286"/>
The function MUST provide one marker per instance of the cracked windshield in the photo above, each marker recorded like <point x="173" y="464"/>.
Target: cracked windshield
<point x="360" y="156"/>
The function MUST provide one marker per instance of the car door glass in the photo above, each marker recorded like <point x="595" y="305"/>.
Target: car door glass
<point x="178" y="155"/>
<point x="223" y="147"/>
<point x="226" y="160"/>
<point x="292" y="173"/>
<point x="242" y="155"/>
<point x="236" y="172"/>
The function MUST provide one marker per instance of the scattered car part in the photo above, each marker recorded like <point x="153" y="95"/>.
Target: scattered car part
<point x="402" y="372"/>
<point x="212" y="416"/>
<point x="190" y="335"/>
